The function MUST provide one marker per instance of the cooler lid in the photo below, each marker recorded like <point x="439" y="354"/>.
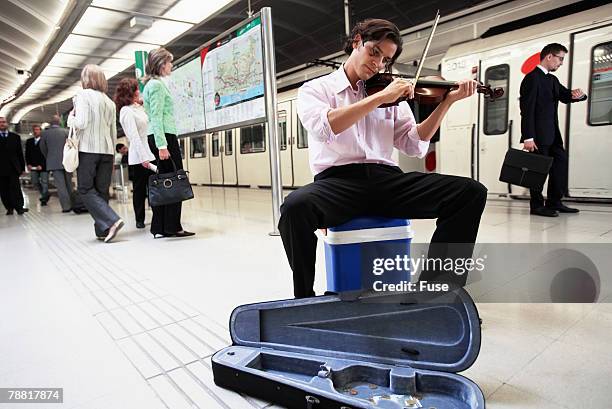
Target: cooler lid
<point x="407" y="329"/>
<point x="370" y="223"/>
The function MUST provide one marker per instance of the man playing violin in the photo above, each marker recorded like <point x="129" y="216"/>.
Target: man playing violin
<point x="351" y="143"/>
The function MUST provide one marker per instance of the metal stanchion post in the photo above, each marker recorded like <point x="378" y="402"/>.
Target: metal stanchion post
<point x="272" y="117"/>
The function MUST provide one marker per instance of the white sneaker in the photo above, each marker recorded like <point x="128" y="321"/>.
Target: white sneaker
<point x="114" y="229"/>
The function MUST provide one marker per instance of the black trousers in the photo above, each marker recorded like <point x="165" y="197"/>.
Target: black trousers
<point x="557" y="179"/>
<point x="140" y="184"/>
<point x="167" y="219"/>
<point x="342" y="193"/>
<point x="10" y="191"/>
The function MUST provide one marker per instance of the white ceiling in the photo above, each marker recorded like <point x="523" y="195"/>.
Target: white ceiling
<point x="102" y="35"/>
<point x="25" y="27"/>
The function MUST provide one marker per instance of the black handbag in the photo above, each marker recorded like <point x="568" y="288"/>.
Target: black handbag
<point x="169" y="188"/>
<point x="525" y="169"/>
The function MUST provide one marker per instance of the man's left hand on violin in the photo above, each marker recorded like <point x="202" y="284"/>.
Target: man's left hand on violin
<point x="466" y="88"/>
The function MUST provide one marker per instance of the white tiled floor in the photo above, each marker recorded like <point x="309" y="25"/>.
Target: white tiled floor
<point x="132" y="324"/>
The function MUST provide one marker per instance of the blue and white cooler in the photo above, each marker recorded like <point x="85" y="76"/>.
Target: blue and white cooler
<point x="357" y="253"/>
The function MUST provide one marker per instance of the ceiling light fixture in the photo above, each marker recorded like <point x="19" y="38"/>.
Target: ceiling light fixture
<point x="141" y="22"/>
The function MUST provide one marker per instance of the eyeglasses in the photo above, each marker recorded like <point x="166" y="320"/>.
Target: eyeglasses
<point x="376" y="52"/>
<point x="559" y="57"/>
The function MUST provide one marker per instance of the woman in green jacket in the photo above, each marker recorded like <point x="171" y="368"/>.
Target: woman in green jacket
<point x="164" y="145"/>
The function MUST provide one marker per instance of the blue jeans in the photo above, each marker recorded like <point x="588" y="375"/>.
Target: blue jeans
<point x="40" y="180"/>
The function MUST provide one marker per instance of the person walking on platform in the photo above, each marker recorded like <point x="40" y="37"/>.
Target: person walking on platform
<point x="540" y="95"/>
<point x="94" y="121"/>
<point x="159" y="106"/>
<point x="12" y="165"/>
<point x="36" y="164"/>
<point x="134" y="122"/>
<point x="52" y="147"/>
<point x="351" y="144"/>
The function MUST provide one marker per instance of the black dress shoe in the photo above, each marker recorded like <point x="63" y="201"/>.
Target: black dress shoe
<point x="564" y="209"/>
<point x="22" y="211"/>
<point x="9" y="212"/>
<point x="544" y="211"/>
<point x="140" y="225"/>
<point x="66" y="211"/>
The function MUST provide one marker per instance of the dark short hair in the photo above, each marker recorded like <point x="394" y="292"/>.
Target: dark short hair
<point x="118" y="147"/>
<point x="376" y="29"/>
<point x="36" y="126"/>
<point x="124" y="93"/>
<point x="552" y="48"/>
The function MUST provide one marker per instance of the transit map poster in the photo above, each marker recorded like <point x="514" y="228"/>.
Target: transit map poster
<point x="185" y="85"/>
<point x="233" y="78"/>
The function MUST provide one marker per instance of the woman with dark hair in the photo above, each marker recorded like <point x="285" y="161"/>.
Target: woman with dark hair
<point x="162" y="138"/>
<point x="134" y="122"/>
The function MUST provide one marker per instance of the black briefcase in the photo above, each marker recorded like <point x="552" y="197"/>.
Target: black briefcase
<point x="525" y="169"/>
<point x="393" y="351"/>
<point x="169" y="188"/>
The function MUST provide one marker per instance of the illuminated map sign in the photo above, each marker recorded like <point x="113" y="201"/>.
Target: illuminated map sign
<point x="185" y="85"/>
<point x="233" y="78"/>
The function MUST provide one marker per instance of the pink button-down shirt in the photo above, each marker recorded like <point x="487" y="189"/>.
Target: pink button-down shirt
<point x="370" y="140"/>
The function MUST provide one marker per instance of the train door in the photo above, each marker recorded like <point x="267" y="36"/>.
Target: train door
<point x="216" y="162"/>
<point x="456" y="148"/>
<point x="253" y="159"/>
<point x="590" y="122"/>
<point x="284" y="124"/>
<point x="230" y="176"/>
<point x="299" y="149"/>
<point x="199" y="166"/>
<point x="494" y="131"/>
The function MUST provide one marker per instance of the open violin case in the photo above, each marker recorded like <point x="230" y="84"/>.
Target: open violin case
<point x="398" y="351"/>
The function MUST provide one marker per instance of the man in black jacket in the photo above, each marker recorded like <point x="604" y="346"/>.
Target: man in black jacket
<point x="12" y="165"/>
<point x="540" y="96"/>
<point x="36" y="163"/>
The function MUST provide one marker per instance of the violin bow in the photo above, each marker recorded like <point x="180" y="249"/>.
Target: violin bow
<point x="422" y="61"/>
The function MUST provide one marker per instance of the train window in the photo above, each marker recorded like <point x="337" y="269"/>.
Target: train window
<point x="253" y="139"/>
<point x="215" y="144"/>
<point x="282" y="129"/>
<point x="600" y="101"/>
<point x="198" y="147"/>
<point x="229" y="143"/>
<point x="302" y="136"/>
<point x="496" y="112"/>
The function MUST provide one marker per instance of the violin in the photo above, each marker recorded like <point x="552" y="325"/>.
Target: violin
<point x="427" y="91"/>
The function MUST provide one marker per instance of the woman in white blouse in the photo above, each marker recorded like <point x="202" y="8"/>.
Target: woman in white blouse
<point x="94" y="121"/>
<point x="134" y="122"/>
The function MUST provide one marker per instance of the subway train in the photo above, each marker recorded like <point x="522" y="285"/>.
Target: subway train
<point x="240" y="157"/>
<point x="475" y="135"/>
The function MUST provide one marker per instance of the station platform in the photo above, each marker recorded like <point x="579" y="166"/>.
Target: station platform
<point x="133" y="323"/>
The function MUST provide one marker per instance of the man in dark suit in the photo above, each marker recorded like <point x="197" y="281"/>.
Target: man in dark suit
<point x="540" y="96"/>
<point x="12" y="165"/>
<point x="35" y="161"/>
<point x="52" y="146"/>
